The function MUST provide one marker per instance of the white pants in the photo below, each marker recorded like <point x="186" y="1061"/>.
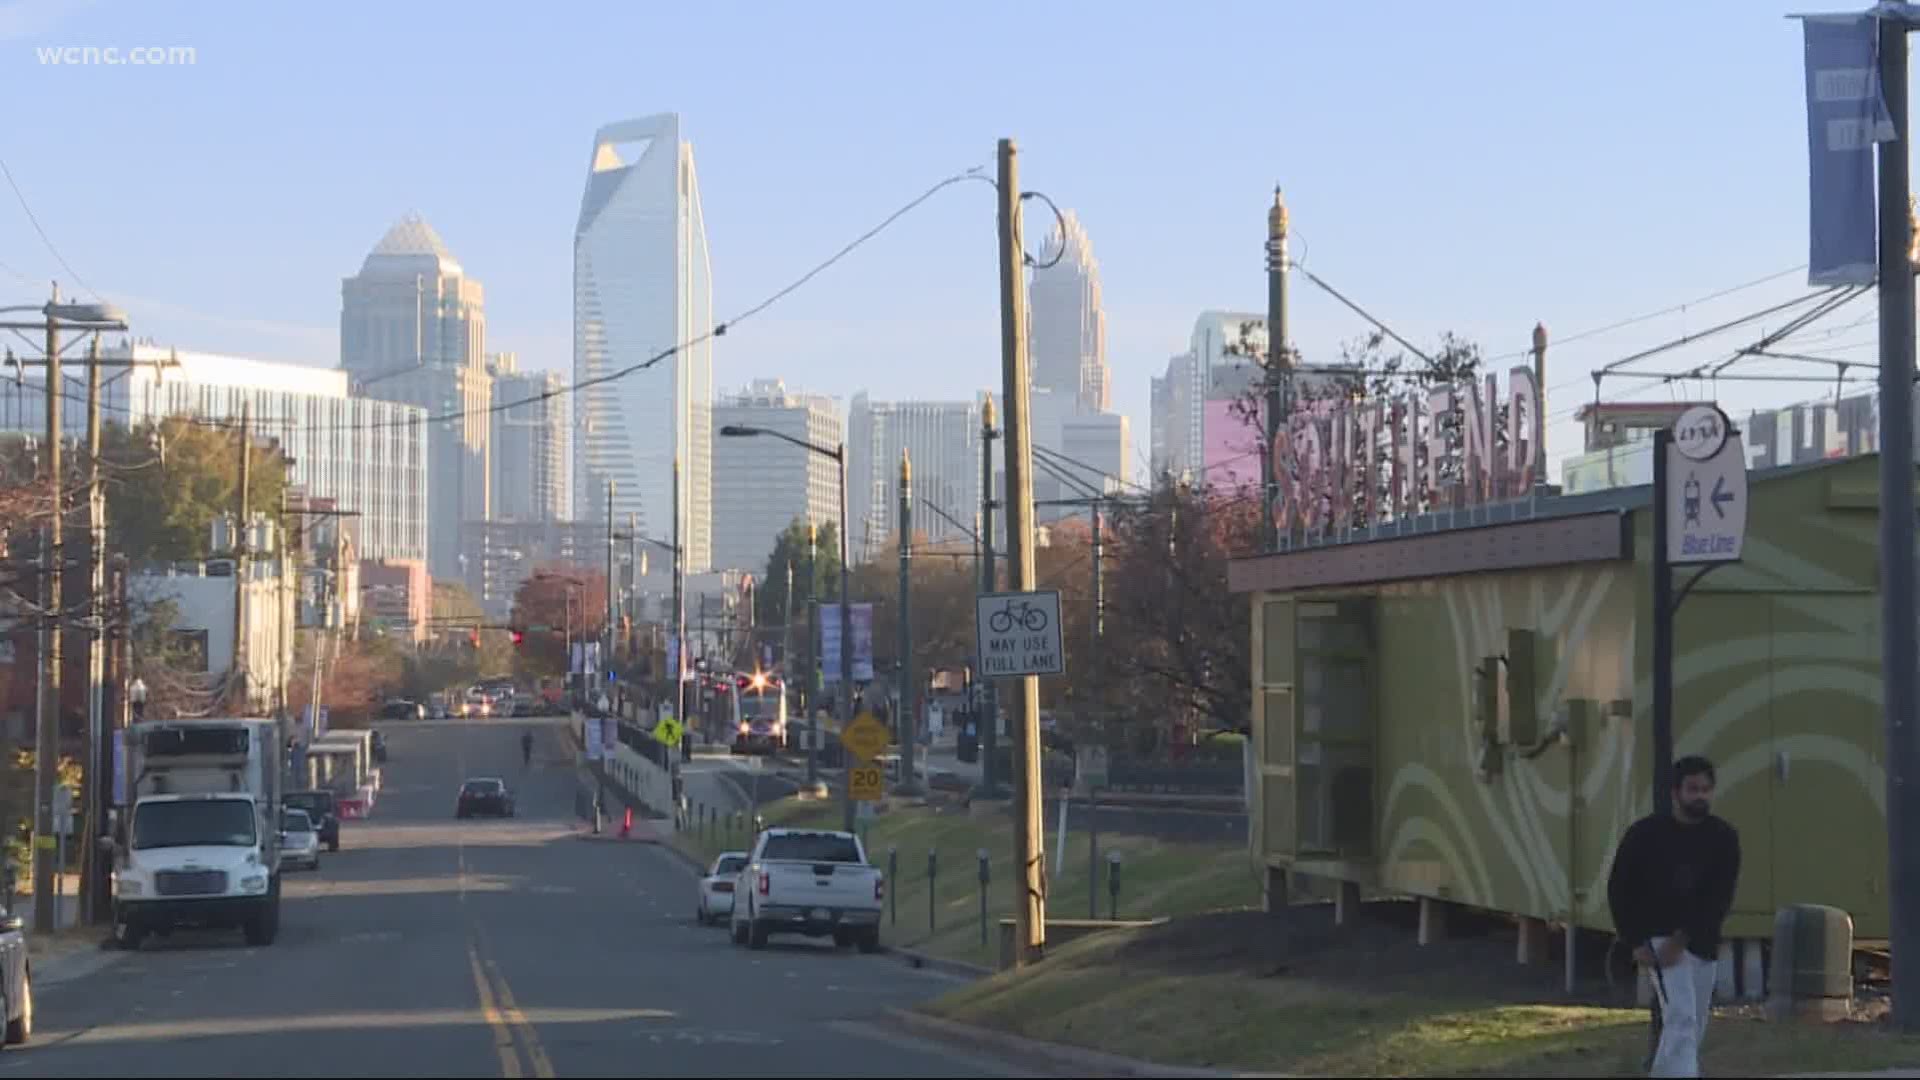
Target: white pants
<point x="1685" y="991"/>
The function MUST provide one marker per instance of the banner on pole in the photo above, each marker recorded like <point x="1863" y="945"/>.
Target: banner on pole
<point x="861" y="617"/>
<point x="1846" y="117"/>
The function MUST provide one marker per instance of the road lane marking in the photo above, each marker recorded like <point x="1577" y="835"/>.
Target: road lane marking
<point x="502" y="1034"/>
<point x="529" y="1039"/>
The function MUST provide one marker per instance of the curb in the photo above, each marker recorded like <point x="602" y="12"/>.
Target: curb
<point x="914" y="958"/>
<point x="1073" y="1059"/>
<point x="57" y="971"/>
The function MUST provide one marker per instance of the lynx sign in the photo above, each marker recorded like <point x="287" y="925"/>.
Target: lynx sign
<point x="1342" y="462"/>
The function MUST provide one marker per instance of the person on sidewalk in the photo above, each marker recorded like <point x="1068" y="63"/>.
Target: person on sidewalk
<point x="1670" y="888"/>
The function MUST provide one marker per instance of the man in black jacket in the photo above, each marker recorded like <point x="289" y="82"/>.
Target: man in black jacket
<point x="1671" y="886"/>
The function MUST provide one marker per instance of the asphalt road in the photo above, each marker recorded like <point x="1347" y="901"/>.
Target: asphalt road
<point x="430" y="947"/>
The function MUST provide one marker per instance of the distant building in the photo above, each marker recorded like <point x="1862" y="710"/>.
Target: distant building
<point x="760" y="485"/>
<point x="1193" y="402"/>
<point x="643" y="307"/>
<point x="413" y="329"/>
<point x="396" y="599"/>
<point x="943" y="439"/>
<point x="532" y="443"/>
<point x="503" y="554"/>
<point x="364" y="456"/>
<point x="202" y="595"/>
<point x="1099" y="440"/>
<point x="1161" y="405"/>
<point x="1069" y="323"/>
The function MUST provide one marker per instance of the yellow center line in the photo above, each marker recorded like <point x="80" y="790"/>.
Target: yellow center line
<point x="502" y="1034"/>
<point x="529" y="1039"/>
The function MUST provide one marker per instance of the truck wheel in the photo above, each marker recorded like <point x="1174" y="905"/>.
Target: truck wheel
<point x="333" y="844"/>
<point x="756" y="935"/>
<point x="129" y="936"/>
<point x="869" y="940"/>
<point x="260" y="930"/>
<point x="842" y="939"/>
<point x="20" y="1029"/>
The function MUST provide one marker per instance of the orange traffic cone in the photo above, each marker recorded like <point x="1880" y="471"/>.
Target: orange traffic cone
<point x="626" y="824"/>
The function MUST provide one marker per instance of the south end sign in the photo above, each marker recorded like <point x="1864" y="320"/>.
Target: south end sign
<point x="1345" y="463"/>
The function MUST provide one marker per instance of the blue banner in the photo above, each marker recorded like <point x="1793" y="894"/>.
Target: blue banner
<point x="1846" y="116"/>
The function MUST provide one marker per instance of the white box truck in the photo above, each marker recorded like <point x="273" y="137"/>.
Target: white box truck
<point x="200" y="843"/>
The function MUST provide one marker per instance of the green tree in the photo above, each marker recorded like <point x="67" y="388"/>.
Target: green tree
<point x="167" y="482"/>
<point x="770" y="596"/>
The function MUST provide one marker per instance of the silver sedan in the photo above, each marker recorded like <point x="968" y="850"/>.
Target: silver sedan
<point x="299" y="840"/>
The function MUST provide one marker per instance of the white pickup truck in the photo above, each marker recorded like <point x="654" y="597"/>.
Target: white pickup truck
<point x="801" y="881"/>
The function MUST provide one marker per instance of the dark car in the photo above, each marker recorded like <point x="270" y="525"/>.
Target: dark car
<point x="484" y="795"/>
<point x="320" y="807"/>
<point x="401" y="709"/>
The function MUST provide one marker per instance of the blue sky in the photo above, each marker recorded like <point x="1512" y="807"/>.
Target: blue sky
<point x="1477" y="168"/>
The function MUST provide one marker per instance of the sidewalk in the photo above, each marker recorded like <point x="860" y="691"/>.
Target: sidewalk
<point x="72" y="950"/>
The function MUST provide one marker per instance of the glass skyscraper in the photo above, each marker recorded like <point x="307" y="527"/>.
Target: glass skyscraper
<point x="642" y="286"/>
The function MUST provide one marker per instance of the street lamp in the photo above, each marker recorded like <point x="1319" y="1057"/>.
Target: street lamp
<point x="844" y="700"/>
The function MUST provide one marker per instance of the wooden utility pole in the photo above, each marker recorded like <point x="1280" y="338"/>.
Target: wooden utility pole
<point x="989" y="582"/>
<point x="1030" y="901"/>
<point x="46" y="753"/>
<point x="240" y="560"/>
<point x="909" y="737"/>
<point x="94" y="777"/>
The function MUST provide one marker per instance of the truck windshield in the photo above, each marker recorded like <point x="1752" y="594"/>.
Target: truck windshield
<point x="213" y="822"/>
<point x="811" y="847"/>
<point x="760" y="706"/>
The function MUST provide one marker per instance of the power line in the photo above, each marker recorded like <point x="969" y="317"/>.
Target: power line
<point x="1675" y="309"/>
<point x="1365" y="314"/>
<point x="719" y="329"/>
<point x="44" y="238"/>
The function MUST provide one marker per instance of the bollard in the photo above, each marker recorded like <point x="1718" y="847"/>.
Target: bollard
<point x="985" y="875"/>
<point x="933" y="864"/>
<point x="1113" y="885"/>
<point x="893" y="875"/>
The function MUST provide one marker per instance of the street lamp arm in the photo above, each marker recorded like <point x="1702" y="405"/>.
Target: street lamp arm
<point x="743" y="430"/>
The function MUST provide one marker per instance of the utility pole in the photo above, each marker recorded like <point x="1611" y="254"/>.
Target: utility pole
<point x="240" y="558"/>
<point x="1540" y="390"/>
<point x="633" y="581"/>
<point x="1099" y="583"/>
<point x="606" y="647"/>
<point x="1897" y="586"/>
<point x="989" y="581"/>
<point x="909" y="783"/>
<point x="1030" y="901"/>
<point x="679" y="605"/>
<point x="844" y="698"/>
<point x="786" y="633"/>
<point x="94" y="779"/>
<point x="46" y="754"/>
<point x="1279" y="374"/>
<point x="813" y="653"/>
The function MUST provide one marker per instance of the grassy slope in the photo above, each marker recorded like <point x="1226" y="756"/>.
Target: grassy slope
<point x="1157" y="878"/>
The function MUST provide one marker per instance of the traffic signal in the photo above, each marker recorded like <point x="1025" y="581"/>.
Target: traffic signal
<point x="518" y="636"/>
<point x="473" y="637"/>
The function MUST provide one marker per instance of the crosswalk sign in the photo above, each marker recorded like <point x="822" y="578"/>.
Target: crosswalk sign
<point x="668" y="731"/>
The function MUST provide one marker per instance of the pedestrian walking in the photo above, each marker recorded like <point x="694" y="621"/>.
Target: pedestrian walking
<point x="1671" y="886"/>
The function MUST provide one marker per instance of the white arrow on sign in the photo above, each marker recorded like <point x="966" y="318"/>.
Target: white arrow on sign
<point x="1707" y="504"/>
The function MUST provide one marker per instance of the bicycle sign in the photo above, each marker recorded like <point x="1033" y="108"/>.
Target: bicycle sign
<point x="1019" y="634"/>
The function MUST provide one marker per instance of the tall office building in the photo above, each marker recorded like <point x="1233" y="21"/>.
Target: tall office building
<point x="1193" y="405"/>
<point x="1098" y="442"/>
<point x="532" y="443"/>
<point x="642" y="295"/>
<point x="1069" y="325"/>
<point x="943" y="440"/>
<point x="366" y="456"/>
<point x="413" y="329"/>
<point x="760" y="485"/>
<point x="1157" y="419"/>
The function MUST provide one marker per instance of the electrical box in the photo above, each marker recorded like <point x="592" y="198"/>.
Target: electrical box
<point x="1522" y="690"/>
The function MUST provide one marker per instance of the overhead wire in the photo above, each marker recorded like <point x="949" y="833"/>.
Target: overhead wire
<point x="44" y="238"/>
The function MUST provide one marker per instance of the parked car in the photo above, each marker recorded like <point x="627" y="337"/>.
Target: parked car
<point x="403" y="710"/>
<point x="299" y="840"/>
<point x="16" y="980"/>
<point x="321" y="810"/>
<point x="484" y="795"/>
<point x="803" y="881"/>
<point x="716" y="889"/>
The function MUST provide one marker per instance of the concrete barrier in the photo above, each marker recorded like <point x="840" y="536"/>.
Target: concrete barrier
<point x="1065" y="931"/>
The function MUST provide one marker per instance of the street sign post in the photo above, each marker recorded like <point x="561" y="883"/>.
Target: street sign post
<point x="1699" y="519"/>
<point x="668" y="731"/>
<point x="866" y="782"/>
<point x="865" y="737"/>
<point x="1018" y="633"/>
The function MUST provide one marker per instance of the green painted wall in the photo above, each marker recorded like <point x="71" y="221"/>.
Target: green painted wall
<point x="1776" y="678"/>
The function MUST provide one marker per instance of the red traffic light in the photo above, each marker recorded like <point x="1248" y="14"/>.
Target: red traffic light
<point x="473" y="637"/>
<point x="519" y="636"/>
